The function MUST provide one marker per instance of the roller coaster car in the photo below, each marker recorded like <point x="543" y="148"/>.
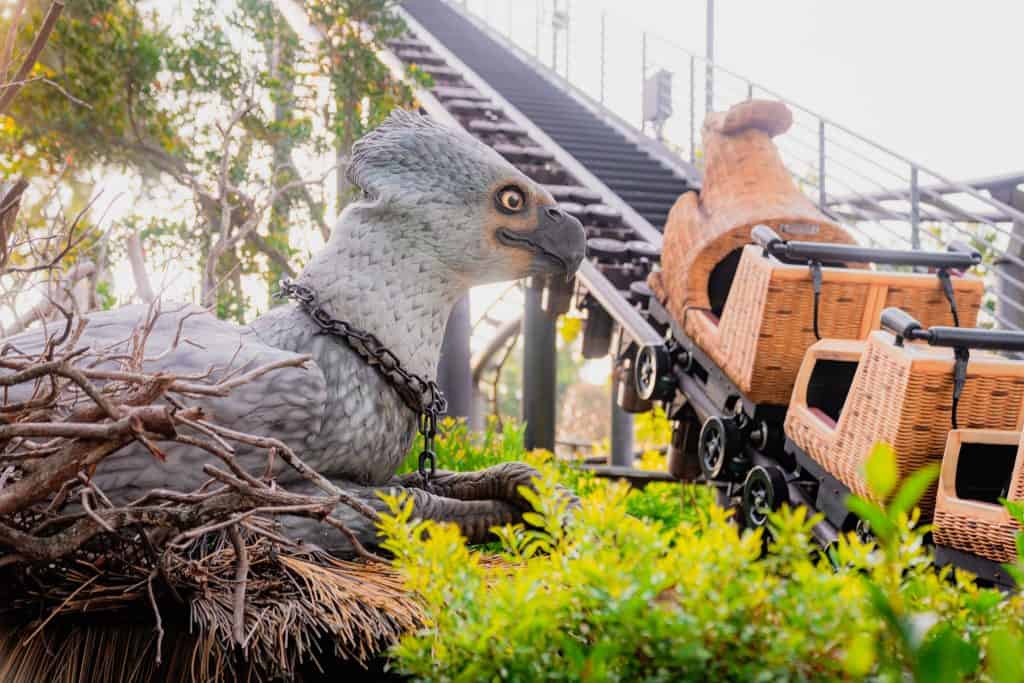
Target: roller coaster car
<point x="736" y="371"/>
<point x="775" y="309"/>
<point x="744" y="304"/>
<point x="972" y="529"/>
<point x="706" y="238"/>
<point x="851" y="395"/>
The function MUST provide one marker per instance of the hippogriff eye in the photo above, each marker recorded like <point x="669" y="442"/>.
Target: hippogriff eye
<point x="511" y="200"/>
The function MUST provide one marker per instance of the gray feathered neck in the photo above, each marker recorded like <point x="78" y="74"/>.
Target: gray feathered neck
<point x="380" y="282"/>
<point x="394" y="263"/>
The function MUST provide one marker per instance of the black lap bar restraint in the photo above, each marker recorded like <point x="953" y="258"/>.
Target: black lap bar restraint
<point x="960" y="339"/>
<point x="959" y="256"/>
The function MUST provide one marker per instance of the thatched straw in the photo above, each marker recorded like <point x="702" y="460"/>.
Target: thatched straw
<point x="301" y="614"/>
<point x="176" y="585"/>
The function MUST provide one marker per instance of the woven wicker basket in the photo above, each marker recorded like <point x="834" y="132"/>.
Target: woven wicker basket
<point x="980" y="528"/>
<point x="768" y="321"/>
<point x="902" y="396"/>
<point x="745" y="184"/>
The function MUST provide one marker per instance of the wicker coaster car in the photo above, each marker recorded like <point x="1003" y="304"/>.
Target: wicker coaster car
<point x="972" y="529"/>
<point x="744" y="365"/>
<point x="851" y="395"/>
<point x="752" y="310"/>
<point x="752" y="275"/>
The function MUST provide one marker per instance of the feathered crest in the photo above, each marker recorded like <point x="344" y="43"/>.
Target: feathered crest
<point x="412" y="153"/>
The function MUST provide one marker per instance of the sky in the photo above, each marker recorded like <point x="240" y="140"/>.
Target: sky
<point x="936" y="81"/>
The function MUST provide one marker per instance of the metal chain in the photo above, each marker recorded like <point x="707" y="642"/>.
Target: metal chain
<point x="422" y="396"/>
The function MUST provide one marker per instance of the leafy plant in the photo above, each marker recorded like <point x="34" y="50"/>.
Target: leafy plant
<point x="1016" y="570"/>
<point x="609" y="594"/>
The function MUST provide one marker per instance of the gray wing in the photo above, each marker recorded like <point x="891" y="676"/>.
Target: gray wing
<point x="286" y="403"/>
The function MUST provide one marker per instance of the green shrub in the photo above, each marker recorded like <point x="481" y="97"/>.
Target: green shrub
<point x="622" y="589"/>
<point x="459" y="449"/>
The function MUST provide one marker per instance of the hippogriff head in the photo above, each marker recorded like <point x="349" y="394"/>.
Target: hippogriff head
<point x="453" y="197"/>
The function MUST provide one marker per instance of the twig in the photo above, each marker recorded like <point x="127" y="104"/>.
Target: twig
<point x="12" y="36"/>
<point x="241" y="578"/>
<point x="49" y="21"/>
<point x="156" y="613"/>
<point x="57" y="611"/>
<point x="354" y="540"/>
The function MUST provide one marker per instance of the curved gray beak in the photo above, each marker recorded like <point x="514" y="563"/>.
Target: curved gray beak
<point x="558" y="242"/>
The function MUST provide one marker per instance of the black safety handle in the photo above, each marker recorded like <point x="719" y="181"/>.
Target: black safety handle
<point x="960" y="339"/>
<point x="904" y="326"/>
<point x="958" y="256"/>
<point x="900" y="323"/>
<point x="961" y="247"/>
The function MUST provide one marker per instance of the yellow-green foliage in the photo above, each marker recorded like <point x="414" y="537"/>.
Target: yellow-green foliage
<point x="600" y="594"/>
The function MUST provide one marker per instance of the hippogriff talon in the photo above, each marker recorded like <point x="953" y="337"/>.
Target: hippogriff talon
<point x="475" y="501"/>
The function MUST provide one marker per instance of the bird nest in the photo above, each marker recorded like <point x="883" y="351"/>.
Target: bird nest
<point x="210" y="563"/>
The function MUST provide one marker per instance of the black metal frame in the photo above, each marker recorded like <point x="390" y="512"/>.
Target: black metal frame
<point x="905" y="326"/>
<point x="711" y="395"/>
<point x="985" y="569"/>
<point x="959" y="256"/>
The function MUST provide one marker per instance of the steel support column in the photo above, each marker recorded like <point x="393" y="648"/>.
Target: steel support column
<point x="453" y="372"/>
<point x="643" y="81"/>
<point x="1008" y="273"/>
<point x="622" y="432"/>
<point x="822" y="197"/>
<point x="693" y="111"/>
<point x="709" y="66"/>
<point x="915" y="210"/>
<point x="539" y="370"/>
<point x="604" y="44"/>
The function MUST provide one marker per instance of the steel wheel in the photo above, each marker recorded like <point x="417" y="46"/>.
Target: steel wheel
<point x="763" y="492"/>
<point x="713" y="447"/>
<point x="652" y="374"/>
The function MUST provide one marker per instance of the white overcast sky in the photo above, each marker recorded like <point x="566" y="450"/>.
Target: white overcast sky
<point x="940" y="81"/>
<point x="937" y="81"/>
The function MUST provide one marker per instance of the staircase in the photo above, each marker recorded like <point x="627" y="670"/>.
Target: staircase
<point x="641" y="181"/>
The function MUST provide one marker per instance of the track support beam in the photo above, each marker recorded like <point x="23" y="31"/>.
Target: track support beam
<point x="622" y="454"/>
<point x="540" y="367"/>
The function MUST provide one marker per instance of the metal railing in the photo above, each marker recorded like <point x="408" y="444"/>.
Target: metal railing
<point x="884" y="198"/>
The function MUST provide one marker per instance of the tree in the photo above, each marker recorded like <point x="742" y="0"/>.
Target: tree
<point x="226" y="111"/>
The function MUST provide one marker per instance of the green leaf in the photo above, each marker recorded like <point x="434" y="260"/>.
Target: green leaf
<point x="881" y="471"/>
<point x="533" y="519"/>
<point x="945" y="657"/>
<point x="914" y="487"/>
<point x="1005" y="664"/>
<point x="884" y="608"/>
<point x="874" y="515"/>
<point x="1015" y="508"/>
<point x="860" y="656"/>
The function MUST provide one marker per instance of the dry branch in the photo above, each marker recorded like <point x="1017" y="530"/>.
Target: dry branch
<point x="9" y="89"/>
<point x="60" y="531"/>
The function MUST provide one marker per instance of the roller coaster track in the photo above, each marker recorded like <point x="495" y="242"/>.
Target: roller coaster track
<point x="621" y="182"/>
<point x="599" y="172"/>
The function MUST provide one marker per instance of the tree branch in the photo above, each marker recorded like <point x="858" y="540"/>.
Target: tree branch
<point x="49" y="22"/>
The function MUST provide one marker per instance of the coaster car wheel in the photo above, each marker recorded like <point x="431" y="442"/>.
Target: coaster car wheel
<point x="764" y="491"/>
<point x="718" y="445"/>
<point x="652" y="372"/>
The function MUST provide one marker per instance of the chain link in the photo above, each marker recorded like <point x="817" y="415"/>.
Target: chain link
<point x="422" y="396"/>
